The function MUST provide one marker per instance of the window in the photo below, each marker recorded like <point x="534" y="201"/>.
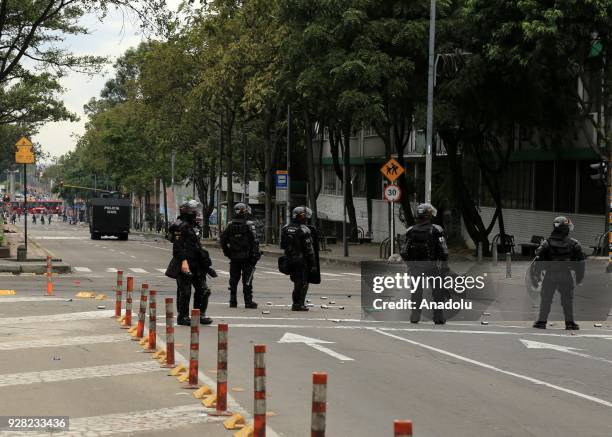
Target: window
<point x="330" y="181"/>
<point x="359" y="181"/>
<point x="592" y="198"/>
<point x="544" y="172"/>
<point x="566" y="186"/>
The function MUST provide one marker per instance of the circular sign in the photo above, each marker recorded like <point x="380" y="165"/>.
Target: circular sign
<point x="393" y="193"/>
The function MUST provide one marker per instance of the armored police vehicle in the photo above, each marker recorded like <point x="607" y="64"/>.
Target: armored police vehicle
<point x="109" y="216"/>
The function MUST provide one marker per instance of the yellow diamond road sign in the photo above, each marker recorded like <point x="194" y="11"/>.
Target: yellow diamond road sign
<point x="392" y="170"/>
<point x="24" y="142"/>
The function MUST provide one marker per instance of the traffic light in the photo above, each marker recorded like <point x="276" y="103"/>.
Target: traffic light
<point x="601" y="172"/>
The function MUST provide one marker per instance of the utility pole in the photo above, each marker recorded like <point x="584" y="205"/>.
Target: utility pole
<point x="245" y="189"/>
<point x="288" y="212"/>
<point x="430" y="85"/>
<point x="220" y="184"/>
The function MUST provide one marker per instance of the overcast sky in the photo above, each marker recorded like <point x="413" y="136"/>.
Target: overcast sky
<point x="110" y="38"/>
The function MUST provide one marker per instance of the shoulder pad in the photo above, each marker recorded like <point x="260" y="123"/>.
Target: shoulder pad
<point x="574" y="241"/>
<point x="305" y="229"/>
<point x="409" y="229"/>
<point x="438" y="228"/>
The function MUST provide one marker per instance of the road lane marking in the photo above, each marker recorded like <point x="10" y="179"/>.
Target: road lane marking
<point x="131" y="422"/>
<point x="223" y="272"/>
<point x="132" y="256"/>
<point x="66" y="317"/>
<point x="45" y="376"/>
<point x="57" y="237"/>
<point x="82" y="269"/>
<point x="352" y="274"/>
<point x="111" y="270"/>
<point x="61" y="341"/>
<point x="314" y="343"/>
<point x="28" y="299"/>
<point x="331" y="274"/>
<point x="565" y="349"/>
<point x="497" y="369"/>
<point x="271" y="272"/>
<point x="161" y="270"/>
<point x="138" y="270"/>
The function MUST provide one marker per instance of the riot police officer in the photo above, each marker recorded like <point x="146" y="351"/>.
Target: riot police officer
<point x="426" y="252"/>
<point x="297" y="242"/>
<point x="194" y="265"/>
<point x="240" y="244"/>
<point x="556" y="257"/>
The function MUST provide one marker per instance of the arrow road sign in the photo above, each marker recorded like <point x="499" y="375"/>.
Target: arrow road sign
<point x="565" y="349"/>
<point x="314" y="343"/>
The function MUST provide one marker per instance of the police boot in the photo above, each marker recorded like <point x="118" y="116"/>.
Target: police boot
<point x="183" y="320"/>
<point x="233" y="303"/>
<point x="205" y="320"/>
<point x="571" y="326"/>
<point x="540" y="324"/>
<point x="248" y="300"/>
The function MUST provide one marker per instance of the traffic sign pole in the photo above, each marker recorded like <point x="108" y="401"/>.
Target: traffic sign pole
<point x="392" y="227"/>
<point x="25" y="207"/>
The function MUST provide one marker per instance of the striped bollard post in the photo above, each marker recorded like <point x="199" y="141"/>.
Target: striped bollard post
<point x="118" y="294"/>
<point x="142" y="311"/>
<point x="259" y="410"/>
<point x="194" y="350"/>
<point x="49" y="273"/>
<point x="222" y="350"/>
<point x="402" y="428"/>
<point x="152" y="340"/>
<point x="319" y="404"/>
<point x="169" y="333"/>
<point x="127" y="323"/>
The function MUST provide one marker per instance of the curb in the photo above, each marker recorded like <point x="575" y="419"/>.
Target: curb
<point x="35" y="268"/>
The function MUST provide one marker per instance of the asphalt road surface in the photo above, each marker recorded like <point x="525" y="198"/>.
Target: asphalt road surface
<point x="67" y="357"/>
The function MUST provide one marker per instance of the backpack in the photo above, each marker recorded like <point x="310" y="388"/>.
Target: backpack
<point x="239" y="239"/>
<point x="559" y="250"/>
<point x="420" y="247"/>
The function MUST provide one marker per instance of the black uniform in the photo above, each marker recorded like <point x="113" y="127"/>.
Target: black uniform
<point x="240" y="244"/>
<point x="558" y="255"/>
<point x="426" y="250"/>
<point x="297" y="242"/>
<point x="186" y="246"/>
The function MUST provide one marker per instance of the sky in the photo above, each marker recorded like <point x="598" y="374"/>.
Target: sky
<point x="111" y="38"/>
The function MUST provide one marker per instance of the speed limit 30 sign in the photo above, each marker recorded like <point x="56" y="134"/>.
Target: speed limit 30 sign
<point x="392" y="193"/>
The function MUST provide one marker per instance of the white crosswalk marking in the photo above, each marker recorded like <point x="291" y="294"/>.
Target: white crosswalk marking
<point x="12" y="379"/>
<point x="61" y="341"/>
<point x="138" y="270"/>
<point x="131" y="422"/>
<point x="270" y="272"/>
<point x="330" y="274"/>
<point x="86" y="315"/>
<point x="223" y="272"/>
<point x="161" y="270"/>
<point x="352" y="274"/>
<point x="82" y="269"/>
<point x="111" y="270"/>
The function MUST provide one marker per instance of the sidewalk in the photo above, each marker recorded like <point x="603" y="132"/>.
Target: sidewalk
<point x="37" y="256"/>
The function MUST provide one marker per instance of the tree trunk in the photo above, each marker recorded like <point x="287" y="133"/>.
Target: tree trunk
<point x="350" y="206"/>
<point x="312" y="179"/>
<point x="230" y="174"/>
<point x="165" y="206"/>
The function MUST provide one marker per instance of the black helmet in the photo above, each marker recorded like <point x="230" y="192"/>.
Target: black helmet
<point x="299" y="213"/>
<point x="563" y="225"/>
<point x="241" y="210"/>
<point x="190" y="207"/>
<point x="426" y="211"/>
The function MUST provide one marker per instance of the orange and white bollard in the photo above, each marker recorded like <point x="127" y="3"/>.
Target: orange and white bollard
<point x="169" y="333"/>
<point x="319" y="404"/>
<point x="118" y="294"/>
<point x="402" y="428"/>
<point x="127" y="322"/>
<point x="49" y="274"/>
<point x="259" y="407"/>
<point x="221" y="405"/>
<point x="152" y="339"/>
<point x="142" y="311"/>
<point x="194" y="350"/>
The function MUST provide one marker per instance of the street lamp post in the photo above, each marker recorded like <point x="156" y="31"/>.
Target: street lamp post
<point x="430" y="86"/>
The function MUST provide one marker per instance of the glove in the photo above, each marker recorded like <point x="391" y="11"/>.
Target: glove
<point x="212" y="273"/>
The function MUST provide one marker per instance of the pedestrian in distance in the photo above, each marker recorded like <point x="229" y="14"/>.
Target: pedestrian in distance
<point x="299" y="260"/>
<point x="240" y="244"/>
<point x="426" y="253"/>
<point x="189" y="265"/>
<point x="42" y="219"/>
<point x="34" y="218"/>
<point x="556" y="258"/>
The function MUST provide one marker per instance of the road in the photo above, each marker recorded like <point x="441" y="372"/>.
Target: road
<point x="461" y="379"/>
